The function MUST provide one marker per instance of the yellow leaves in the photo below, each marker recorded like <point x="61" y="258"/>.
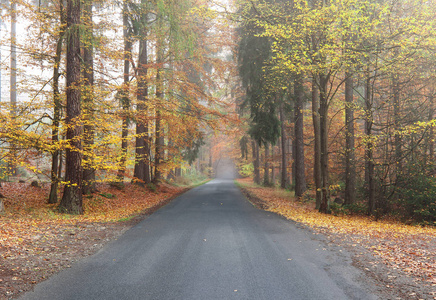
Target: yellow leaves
<point x="202" y="11"/>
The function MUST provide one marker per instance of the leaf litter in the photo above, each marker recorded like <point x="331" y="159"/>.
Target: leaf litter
<point x="401" y="257"/>
<point x="36" y="241"/>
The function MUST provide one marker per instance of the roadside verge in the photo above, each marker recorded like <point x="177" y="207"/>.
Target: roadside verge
<point x="400" y="258"/>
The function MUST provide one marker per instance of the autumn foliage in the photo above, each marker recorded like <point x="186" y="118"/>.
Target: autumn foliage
<point x="352" y="85"/>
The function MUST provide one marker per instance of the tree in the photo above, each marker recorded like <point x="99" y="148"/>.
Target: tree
<point x="125" y="89"/>
<point x="142" y="163"/>
<point x="266" y="177"/>
<point x="261" y="97"/>
<point x="55" y="168"/>
<point x="72" y="197"/>
<point x="88" y="100"/>
<point x="284" y="158"/>
<point x="317" y="145"/>
<point x="256" y="161"/>
<point x="350" y="157"/>
<point x="300" y="176"/>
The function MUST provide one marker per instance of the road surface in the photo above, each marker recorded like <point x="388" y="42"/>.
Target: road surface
<point x="211" y="243"/>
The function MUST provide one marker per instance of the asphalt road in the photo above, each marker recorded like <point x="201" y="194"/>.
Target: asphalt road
<point x="211" y="243"/>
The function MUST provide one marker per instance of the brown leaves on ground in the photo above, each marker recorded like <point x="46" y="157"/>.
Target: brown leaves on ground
<point x="405" y="248"/>
<point x="36" y="241"/>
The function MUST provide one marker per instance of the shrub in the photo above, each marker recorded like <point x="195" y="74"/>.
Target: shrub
<point x="107" y="195"/>
<point x="246" y="170"/>
<point x="152" y="187"/>
<point x="417" y="198"/>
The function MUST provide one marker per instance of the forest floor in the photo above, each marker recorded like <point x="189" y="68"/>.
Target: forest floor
<point x="400" y="258"/>
<point x="36" y="241"/>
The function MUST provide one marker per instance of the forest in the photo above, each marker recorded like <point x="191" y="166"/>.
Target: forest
<point x="111" y="92"/>
<point x="333" y="100"/>
<point x="340" y="98"/>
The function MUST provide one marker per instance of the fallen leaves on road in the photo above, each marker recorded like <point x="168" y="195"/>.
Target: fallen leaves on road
<point x="411" y="249"/>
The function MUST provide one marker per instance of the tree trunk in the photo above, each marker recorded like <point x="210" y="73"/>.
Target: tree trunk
<point x="142" y="165"/>
<point x="290" y="143"/>
<point x="158" y="148"/>
<point x="369" y="162"/>
<point x="159" y="129"/>
<point x="431" y="132"/>
<point x="61" y="160"/>
<point x="72" y="198"/>
<point x="273" y="168"/>
<point x="13" y="74"/>
<point x="300" y="176"/>
<point x="323" y="116"/>
<point x="210" y="173"/>
<point x="256" y="162"/>
<point x="266" y="177"/>
<point x="397" y="135"/>
<point x="125" y="100"/>
<point x="317" y="144"/>
<point x="53" y="197"/>
<point x="12" y="167"/>
<point x="2" y="206"/>
<point x="88" y="102"/>
<point x="284" y="160"/>
<point x="350" y="165"/>
<point x="1" y="57"/>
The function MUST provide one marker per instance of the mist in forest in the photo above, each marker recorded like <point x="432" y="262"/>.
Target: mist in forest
<point x="225" y="169"/>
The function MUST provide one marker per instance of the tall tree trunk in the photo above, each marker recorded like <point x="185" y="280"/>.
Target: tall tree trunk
<point x="350" y="165"/>
<point x="369" y="162"/>
<point x="125" y="99"/>
<point x="266" y="177"/>
<point x="256" y="162"/>
<point x="210" y="173"/>
<point x="158" y="157"/>
<point x="72" y="198"/>
<point x="13" y="74"/>
<point x="273" y="168"/>
<point x="1" y="57"/>
<point x="397" y="124"/>
<point x="323" y="116"/>
<point x="284" y="159"/>
<point x="53" y="197"/>
<point x="88" y="102"/>
<point x="431" y="132"/>
<point x="158" y="128"/>
<point x="300" y="176"/>
<point x="290" y="143"/>
<point x="317" y="145"/>
<point x="61" y="160"/>
<point x="13" y="83"/>
<point x="142" y="166"/>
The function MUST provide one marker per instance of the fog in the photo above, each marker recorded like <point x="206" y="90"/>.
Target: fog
<point x="225" y="169"/>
